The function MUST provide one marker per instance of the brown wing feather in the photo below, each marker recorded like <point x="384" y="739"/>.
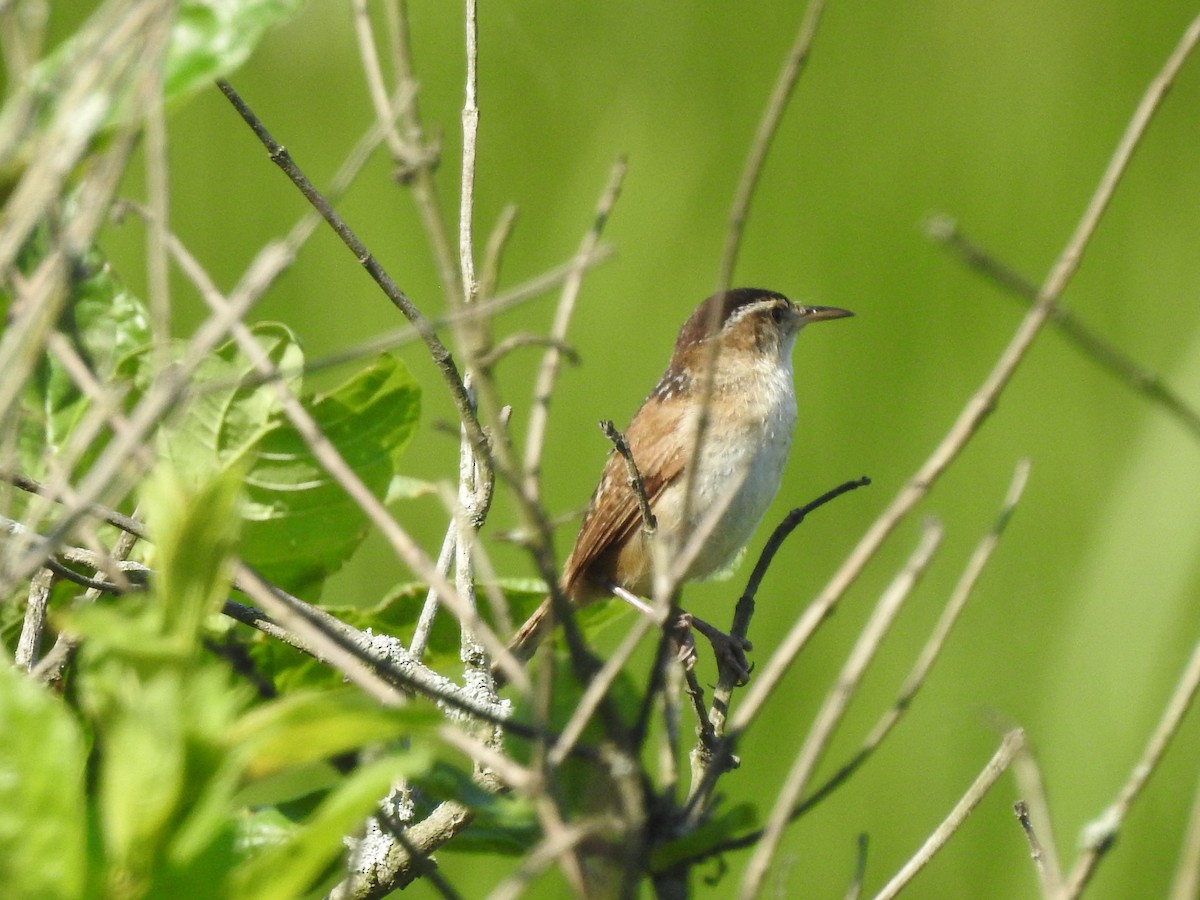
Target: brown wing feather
<point x="613" y="514"/>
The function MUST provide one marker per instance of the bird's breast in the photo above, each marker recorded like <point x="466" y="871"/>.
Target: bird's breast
<point x="740" y="467"/>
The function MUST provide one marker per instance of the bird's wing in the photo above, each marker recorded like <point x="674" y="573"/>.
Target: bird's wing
<point x="614" y="515"/>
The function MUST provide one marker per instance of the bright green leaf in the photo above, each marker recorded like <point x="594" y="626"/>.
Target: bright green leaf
<point x="102" y="321"/>
<point x="225" y="421"/>
<point x="195" y="530"/>
<point x="142" y="771"/>
<point x="301" y="524"/>
<point x="211" y="38"/>
<point x="41" y="793"/>
<point x="312" y="726"/>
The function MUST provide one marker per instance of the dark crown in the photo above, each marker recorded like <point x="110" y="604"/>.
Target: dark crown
<point x="711" y="315"/>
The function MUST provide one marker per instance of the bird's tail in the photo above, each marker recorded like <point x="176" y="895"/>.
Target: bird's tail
<point x="525" y="642"/>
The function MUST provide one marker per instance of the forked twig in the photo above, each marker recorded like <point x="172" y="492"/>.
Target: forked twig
<point x="1101" y="833"/>
<point x="636" y="483"/>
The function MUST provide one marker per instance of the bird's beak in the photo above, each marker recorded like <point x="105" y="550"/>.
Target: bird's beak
<point x="821" y="313"/>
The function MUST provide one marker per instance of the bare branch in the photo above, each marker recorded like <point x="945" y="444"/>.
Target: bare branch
<point x="29" y="645"/>
<point x="957" y="600"/>
<point x="1021" y="811"/>
<point x="535" y="434"/>
<point x="1186" y="883"/>
<point x="636" y="484"/>
<point x="705" y="757"/>
<point x="1032" y="788"/>
<point x="860" y="869"/>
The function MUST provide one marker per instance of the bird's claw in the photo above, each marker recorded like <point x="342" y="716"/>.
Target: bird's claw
<point x="683" y="640"/>
<point x="729" y="649"/>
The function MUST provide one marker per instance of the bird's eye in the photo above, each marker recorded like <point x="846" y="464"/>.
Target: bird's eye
<point x="778" y="314"/>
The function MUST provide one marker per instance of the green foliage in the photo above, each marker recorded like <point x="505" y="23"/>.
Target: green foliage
<point x="41" y="793"/>
<point x="301" y="524"/>
<point x="179" y="747"/>
<point x="210" y="39"/>
<point x="103" y="322"/>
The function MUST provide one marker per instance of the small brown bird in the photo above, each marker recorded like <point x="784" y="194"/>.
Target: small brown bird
<point x="752" y="411"/>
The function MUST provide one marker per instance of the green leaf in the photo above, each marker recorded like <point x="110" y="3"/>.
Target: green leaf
<point x="312" y="726"/>
<point x="102" y="321"/>
<point x="42" y="817"/>
<point x="301" y="524"/>
<point x="225" y="421"/>
<point x="211" y="38"/>
<point x="737" y="818"/>
<point x="142" y="772"/>
<point x="289" y="869"/>
<point x="195" y="529"/>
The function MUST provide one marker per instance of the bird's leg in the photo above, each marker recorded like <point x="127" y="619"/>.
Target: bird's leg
<point x="729" y="650"/>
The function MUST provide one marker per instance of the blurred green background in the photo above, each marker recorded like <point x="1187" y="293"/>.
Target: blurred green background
<point x="1002" y="115"/>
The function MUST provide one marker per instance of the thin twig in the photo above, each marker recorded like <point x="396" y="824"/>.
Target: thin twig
<point x="929" y="654"/>
<point x="470" y="127"/>
<point x="703" y="756"/>
<point x="509" y="299"/>
<point x="493" y="256"/>
<point x="1021" y="811"/>
<point x="391" y="660"/>
<point x="543" y="856"/>
<point x="860" y="868"/>
<point x="29" y="645"/>
<point x="429" y="609"/>
<point x="1032" y="788"/>
<point x="416" y="167"/>
<point x="767" y="128"/>
<point x="535" y="434"/>
<point x="980" y="404"/>
<point x="1186" y="883"/>
<point x="1100" y="834"/>
<point x="636" y="483"/>
<point x="945" y="231"/>
<point x="597" y="689"/>
<point x="525" y="339"/>
<point x="437" y="350"/>
<point x="991" y="772"/>
<point x="330" y="459"/>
